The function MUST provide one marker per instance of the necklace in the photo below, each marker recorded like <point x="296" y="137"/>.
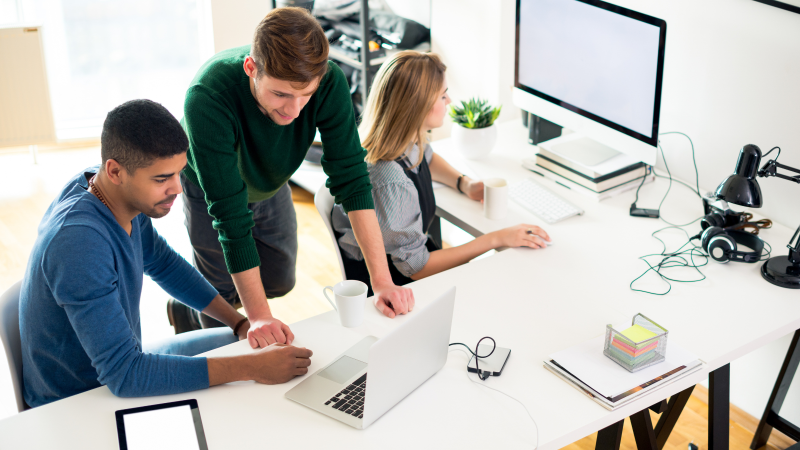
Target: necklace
<point x="97" y="191"/>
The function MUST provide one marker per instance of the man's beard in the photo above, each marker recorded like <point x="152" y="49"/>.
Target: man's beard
<point x="155" y="213"/>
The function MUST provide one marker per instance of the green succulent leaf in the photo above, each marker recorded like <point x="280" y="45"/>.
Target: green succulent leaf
<point x="474" y="113"/>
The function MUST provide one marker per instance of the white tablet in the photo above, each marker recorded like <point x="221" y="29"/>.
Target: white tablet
<point x="173" y="426"/>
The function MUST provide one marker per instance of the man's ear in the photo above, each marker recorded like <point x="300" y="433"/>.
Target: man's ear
<point x="114" y="171"/>
<point x="250" y="67"/>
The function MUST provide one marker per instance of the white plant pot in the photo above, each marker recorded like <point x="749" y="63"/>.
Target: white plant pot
<point x="474" y="143"/>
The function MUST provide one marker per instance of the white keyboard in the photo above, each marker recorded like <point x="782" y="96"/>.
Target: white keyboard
<point x="542" y="202"/>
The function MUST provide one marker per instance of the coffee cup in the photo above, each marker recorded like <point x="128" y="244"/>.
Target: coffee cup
<point x="495" y="198"/>
<point x="349" y="299"/>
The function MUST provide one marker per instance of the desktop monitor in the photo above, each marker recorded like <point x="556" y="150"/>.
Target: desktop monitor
<point x="594" y="68"/>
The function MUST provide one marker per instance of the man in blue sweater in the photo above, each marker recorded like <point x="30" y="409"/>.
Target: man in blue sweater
<point x="79" y="307"/>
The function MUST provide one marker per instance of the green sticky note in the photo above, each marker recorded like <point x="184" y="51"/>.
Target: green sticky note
<point x="638" y="333"/>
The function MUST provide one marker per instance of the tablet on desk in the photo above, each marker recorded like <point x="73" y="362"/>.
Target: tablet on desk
<point x="173" y="426"/>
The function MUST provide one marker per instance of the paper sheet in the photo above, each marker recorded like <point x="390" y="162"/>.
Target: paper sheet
<point x="587" y="362"/>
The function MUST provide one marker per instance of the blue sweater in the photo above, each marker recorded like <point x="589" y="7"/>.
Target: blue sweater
<point x="79" y="306"/>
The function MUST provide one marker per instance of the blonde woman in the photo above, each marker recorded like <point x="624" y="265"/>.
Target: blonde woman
<point x="408" y="99"/>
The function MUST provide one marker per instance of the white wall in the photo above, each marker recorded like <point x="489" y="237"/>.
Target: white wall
<point x="235" y="21"/>
<point x="475" y="39"/>
<point x="731" y="78"/>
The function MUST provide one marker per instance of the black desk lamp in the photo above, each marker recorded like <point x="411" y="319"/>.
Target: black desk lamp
<point x="742" y="188"/>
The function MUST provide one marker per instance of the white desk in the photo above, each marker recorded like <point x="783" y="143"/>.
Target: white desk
<point x="523" y="298"/>
<point x="731" y="313"/>
<point x="448" y="411"/>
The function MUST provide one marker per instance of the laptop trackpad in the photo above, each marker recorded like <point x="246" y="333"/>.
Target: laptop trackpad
<point x="343" y="369"/>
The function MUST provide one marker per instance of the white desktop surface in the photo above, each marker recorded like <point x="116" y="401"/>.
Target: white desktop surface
<point x="447" y="411"/>
<point x="732" y="312"/>
<point x="535" y="302"/>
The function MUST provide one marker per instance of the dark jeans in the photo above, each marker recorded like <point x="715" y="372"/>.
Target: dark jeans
<point x="275" y="233"/>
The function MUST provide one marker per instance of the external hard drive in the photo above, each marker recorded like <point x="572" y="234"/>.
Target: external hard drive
<point x="494" y="363"/>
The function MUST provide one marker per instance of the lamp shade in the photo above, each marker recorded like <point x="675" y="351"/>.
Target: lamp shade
<point x="741" y="188"/>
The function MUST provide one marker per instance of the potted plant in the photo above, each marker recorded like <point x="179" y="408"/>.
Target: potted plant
<point x="476" y="133"/>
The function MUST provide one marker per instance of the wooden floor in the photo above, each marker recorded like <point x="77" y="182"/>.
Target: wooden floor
<point x="26" y="190"/>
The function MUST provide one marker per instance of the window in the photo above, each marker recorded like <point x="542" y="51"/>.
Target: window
<point x="9" y="12"/>
<point x="101" y="53"/>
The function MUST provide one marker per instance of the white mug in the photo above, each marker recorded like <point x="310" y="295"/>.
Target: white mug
<point x="495" y="198"/>
<point x="350" y="296"/>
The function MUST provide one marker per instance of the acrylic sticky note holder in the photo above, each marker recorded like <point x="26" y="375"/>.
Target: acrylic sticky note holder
<point x="642" y="345"/>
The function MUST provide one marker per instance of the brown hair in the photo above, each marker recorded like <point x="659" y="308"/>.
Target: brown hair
<point x="289" y="45"/>
<point x="403" y="92"/>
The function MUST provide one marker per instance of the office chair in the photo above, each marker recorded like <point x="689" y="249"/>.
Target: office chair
<point x="9" y="335"/>
<point x="324" y="202"/>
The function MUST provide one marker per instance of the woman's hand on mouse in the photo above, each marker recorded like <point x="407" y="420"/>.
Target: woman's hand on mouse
<point x="522" y="235"/>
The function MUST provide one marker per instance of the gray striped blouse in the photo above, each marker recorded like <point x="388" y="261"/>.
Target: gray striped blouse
<point x="399" y="216"/>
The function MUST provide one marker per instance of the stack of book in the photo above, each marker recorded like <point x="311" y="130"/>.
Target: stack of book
<point x="588" y="370"/>
<point x="601" y="181"/>
<point x="634" y="354"/>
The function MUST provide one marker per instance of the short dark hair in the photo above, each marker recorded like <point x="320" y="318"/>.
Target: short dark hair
<point x="138" y="132"/>
<point x="290" y="45"/>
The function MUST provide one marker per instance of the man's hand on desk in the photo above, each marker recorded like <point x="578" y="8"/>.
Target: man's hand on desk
<point x="392" y="300"/>
<point x="264" y="329"/>
<point x="279" y="363"/>
<point x="268" y="330"/>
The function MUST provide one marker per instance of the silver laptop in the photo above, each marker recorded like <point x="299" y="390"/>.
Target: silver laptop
<point x="394" y="365"/>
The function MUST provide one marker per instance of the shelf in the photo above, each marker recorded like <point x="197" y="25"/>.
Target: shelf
<point x="342" y="57"/>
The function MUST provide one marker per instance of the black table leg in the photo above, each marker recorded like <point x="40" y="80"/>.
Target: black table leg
<point x="670" y="417"/>
<point x="719" y="401"/>
<point x="643" y="430"/>
<point x="771" y="418"/>
<point x="610" y="437"/>
<point x="647" y="438"/>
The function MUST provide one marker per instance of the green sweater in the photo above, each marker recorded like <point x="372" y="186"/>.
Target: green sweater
<point x="238" y="155"/>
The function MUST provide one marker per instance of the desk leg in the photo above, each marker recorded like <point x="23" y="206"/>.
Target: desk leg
<point x="719" y="404"/>
<point x="669" y="417"/>
<point x="771" y="417"/>
<point x="610" y="437"/>
<point x="643" y="430"/>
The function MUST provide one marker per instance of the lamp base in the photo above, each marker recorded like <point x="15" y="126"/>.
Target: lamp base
<point x="781" y="272"/>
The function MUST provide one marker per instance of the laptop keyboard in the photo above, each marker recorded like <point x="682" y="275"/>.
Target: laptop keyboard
<point x="350" y="400"/>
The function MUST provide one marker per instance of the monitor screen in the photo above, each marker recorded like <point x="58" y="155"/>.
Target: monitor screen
<point x="596" y="59"/>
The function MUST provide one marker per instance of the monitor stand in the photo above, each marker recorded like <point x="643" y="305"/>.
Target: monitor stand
<point x="580" y="149"/>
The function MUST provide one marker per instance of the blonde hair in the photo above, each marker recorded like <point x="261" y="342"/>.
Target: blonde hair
<point x="403" y="92"/>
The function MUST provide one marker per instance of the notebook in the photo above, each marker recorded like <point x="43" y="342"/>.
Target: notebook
<point x="586" y="368"/>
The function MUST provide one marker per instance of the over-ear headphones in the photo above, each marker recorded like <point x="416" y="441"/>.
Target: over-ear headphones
<point x="721" y="245"/>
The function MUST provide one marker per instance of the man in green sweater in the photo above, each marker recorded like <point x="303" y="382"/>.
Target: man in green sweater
<point x="251" y="114"/>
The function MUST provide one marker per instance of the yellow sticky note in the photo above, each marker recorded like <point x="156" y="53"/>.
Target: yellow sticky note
<point x="638" y="333"/>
